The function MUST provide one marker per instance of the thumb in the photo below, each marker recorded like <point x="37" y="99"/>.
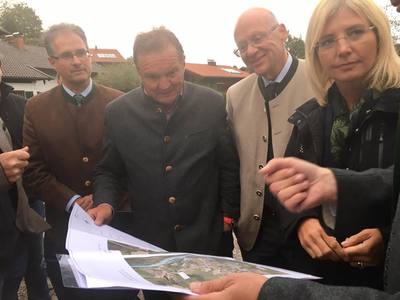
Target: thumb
<point x="97" y="217"/>
<point x="23" y="153"/>
<point x="208" y="286"/>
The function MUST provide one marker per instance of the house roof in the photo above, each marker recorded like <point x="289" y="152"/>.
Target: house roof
<point x="15" y="70"/>
<point x="25" y="63"/>
<point x="205" y="70"/>
<point x="31" y="55"/>
<point x="106" y="56"/>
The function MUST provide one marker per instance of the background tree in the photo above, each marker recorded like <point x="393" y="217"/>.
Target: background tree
<point x="19" y="17"/>
<point x="122" y="76"/>
<point x="295" y="46"/>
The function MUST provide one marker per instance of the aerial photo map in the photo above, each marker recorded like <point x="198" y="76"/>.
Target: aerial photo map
<point x="179" y="270"/>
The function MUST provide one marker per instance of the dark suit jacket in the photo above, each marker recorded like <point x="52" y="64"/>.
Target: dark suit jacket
<point x="374" y="186"/>
<point x="177" y="171"/>
<point x="15" y="214"/>
<point x="65" y="144"/>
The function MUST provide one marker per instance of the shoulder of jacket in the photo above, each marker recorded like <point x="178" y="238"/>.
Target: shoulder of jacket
<point x="245" y="82"/>
<point x="42" y="98"/>
<point x="125" y="98"/>
<point x="109" y="90"/>
<point x="304" y="111"/>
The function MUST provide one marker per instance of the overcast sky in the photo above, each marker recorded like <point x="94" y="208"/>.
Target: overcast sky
<point x="204" y="27"/>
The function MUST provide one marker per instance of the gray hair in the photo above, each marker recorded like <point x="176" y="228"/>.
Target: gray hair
<point x="155" y="40"/>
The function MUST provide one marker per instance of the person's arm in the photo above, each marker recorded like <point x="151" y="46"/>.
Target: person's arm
<point x="251" y="286"/>
<point x="363" y="192"/>
<point x="109" y="178"/>
<point x="12" y="165"/>
<point x="37" y="178"/>
<point x="285" y="288"/>
<point x="229" y="175"/>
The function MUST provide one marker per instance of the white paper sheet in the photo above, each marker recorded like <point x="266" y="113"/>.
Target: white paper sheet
<point x="101" y="257"/>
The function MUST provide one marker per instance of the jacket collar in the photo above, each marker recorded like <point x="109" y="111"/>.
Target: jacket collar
<point x="384" y="101"/>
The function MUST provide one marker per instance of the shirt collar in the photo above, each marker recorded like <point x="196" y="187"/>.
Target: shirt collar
<point x="283" y="72"/>
<point x="84" y="93"/>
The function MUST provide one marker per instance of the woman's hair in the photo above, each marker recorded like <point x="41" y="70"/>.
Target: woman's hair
<point x="385" y="72"/>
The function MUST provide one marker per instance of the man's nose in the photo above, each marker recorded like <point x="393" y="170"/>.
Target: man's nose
<point x="164" y="83"/>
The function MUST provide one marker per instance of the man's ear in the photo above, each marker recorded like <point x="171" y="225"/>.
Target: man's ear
<point x="283" y="32"/>
<point x="51" y="60"/>
<point x="183" y="60"/>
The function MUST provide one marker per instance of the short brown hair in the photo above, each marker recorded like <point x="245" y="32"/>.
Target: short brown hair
<point x="54" y="30"/>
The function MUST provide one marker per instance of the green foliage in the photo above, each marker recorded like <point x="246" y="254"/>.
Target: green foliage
<point x="295" y="46"/>
<point x="123" y="76"/>
<point x="19" y="17"/>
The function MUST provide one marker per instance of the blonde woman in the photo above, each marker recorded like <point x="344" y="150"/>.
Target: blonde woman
<point x="354" y="71"/>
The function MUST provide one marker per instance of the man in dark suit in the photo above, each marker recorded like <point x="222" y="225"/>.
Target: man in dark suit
<point x="170" y="141"/>
<point x="15" y="214"/>
<point x="64" y="129"/>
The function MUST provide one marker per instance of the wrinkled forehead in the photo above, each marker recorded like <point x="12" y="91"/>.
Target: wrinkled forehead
<point x="160" y="61"/>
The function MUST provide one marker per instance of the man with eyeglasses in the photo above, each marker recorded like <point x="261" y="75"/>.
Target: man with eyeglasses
<point x="64" y="129"/>
<point x="258" y="108"/>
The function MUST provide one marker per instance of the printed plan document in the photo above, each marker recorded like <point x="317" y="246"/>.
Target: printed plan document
<point x="103" y="257"/>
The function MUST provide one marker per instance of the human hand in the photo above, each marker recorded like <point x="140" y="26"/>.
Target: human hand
<point x="298" y="184"/>
<point x="85" y="202"/>
<point x="396" y="3"/>
<point x="14" y="163"/>
<point x="101" y="214"/>
<point x="317" y="243"/>
<point x="365" y="249"/>
<point x="236" y="286"/>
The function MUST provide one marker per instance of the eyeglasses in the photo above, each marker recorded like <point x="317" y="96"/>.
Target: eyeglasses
<point x="352" y="35"/>
<point x="69" y="55"/>
<point x="255" y="41"/>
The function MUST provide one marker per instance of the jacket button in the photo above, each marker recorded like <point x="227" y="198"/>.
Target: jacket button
<point x="172" y="200"/>
<point x="256" y="217"/>
<point x="85" y="159"/>
<point x="88" y="183"/>
<point x="178" y="227"/>
<point x="264" y="138"/>
<point x="167" y="139"/>
<point x="260" y="166"/>
<point x="168" y="168"/>
<point x="259" y="193"/>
